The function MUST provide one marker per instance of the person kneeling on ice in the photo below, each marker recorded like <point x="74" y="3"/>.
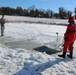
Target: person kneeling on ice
<point x="69" y="38"/>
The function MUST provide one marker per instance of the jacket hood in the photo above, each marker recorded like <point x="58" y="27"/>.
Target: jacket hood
<point x="71" y="19"/>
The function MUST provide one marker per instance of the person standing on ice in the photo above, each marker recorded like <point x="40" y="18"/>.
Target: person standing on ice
<point x="2" y="21"/>
<point x="69" y="38"/>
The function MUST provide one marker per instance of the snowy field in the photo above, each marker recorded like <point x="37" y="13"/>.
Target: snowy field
<point x="20" y="19"/>
<point x="17" y="56"/>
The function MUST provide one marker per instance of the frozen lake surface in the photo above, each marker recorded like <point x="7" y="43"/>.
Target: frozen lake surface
<point x="29" y="36"/>
<point x="21" y="43"/>
<point x="10" y="42"/>
<point x="18" y="58"/>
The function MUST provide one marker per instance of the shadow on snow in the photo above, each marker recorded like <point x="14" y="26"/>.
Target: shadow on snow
<point x="30" y="69"/>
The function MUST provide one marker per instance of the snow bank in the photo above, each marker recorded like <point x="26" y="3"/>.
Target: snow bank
<point x="20" y="19"/>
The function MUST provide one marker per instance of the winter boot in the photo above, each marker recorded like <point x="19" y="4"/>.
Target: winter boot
<point x="70" y="55"/>
<point x="63" y="55"/>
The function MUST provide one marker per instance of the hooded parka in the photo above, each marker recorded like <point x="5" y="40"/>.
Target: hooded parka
<point x="70" y="35"/>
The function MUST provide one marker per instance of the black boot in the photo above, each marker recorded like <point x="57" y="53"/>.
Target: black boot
<point x="63" y="55"/>
<point x="71" y="55"/>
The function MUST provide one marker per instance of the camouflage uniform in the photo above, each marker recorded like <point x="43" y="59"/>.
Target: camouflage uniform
<point x="2" y="21"/>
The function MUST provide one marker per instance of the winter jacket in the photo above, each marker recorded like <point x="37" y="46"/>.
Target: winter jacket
<point x="2" y="21"/>
<point x="70" y="32"/>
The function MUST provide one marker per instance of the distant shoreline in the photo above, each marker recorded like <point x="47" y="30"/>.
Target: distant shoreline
<point x="23" y="19"/>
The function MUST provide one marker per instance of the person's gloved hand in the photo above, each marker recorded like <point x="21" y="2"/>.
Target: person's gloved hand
<point x="65" y="38"/>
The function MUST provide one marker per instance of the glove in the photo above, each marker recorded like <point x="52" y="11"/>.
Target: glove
<point x="65" y="38"/>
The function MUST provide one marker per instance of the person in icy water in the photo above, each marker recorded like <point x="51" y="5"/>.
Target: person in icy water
<point x="69" y="38"/>
<point x="2" y="21"/>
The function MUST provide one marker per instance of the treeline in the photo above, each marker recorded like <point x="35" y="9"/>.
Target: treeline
<point x="34" y="12"/>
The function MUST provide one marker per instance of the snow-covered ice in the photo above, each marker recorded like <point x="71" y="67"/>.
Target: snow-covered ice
<point x="20" y="59"/>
